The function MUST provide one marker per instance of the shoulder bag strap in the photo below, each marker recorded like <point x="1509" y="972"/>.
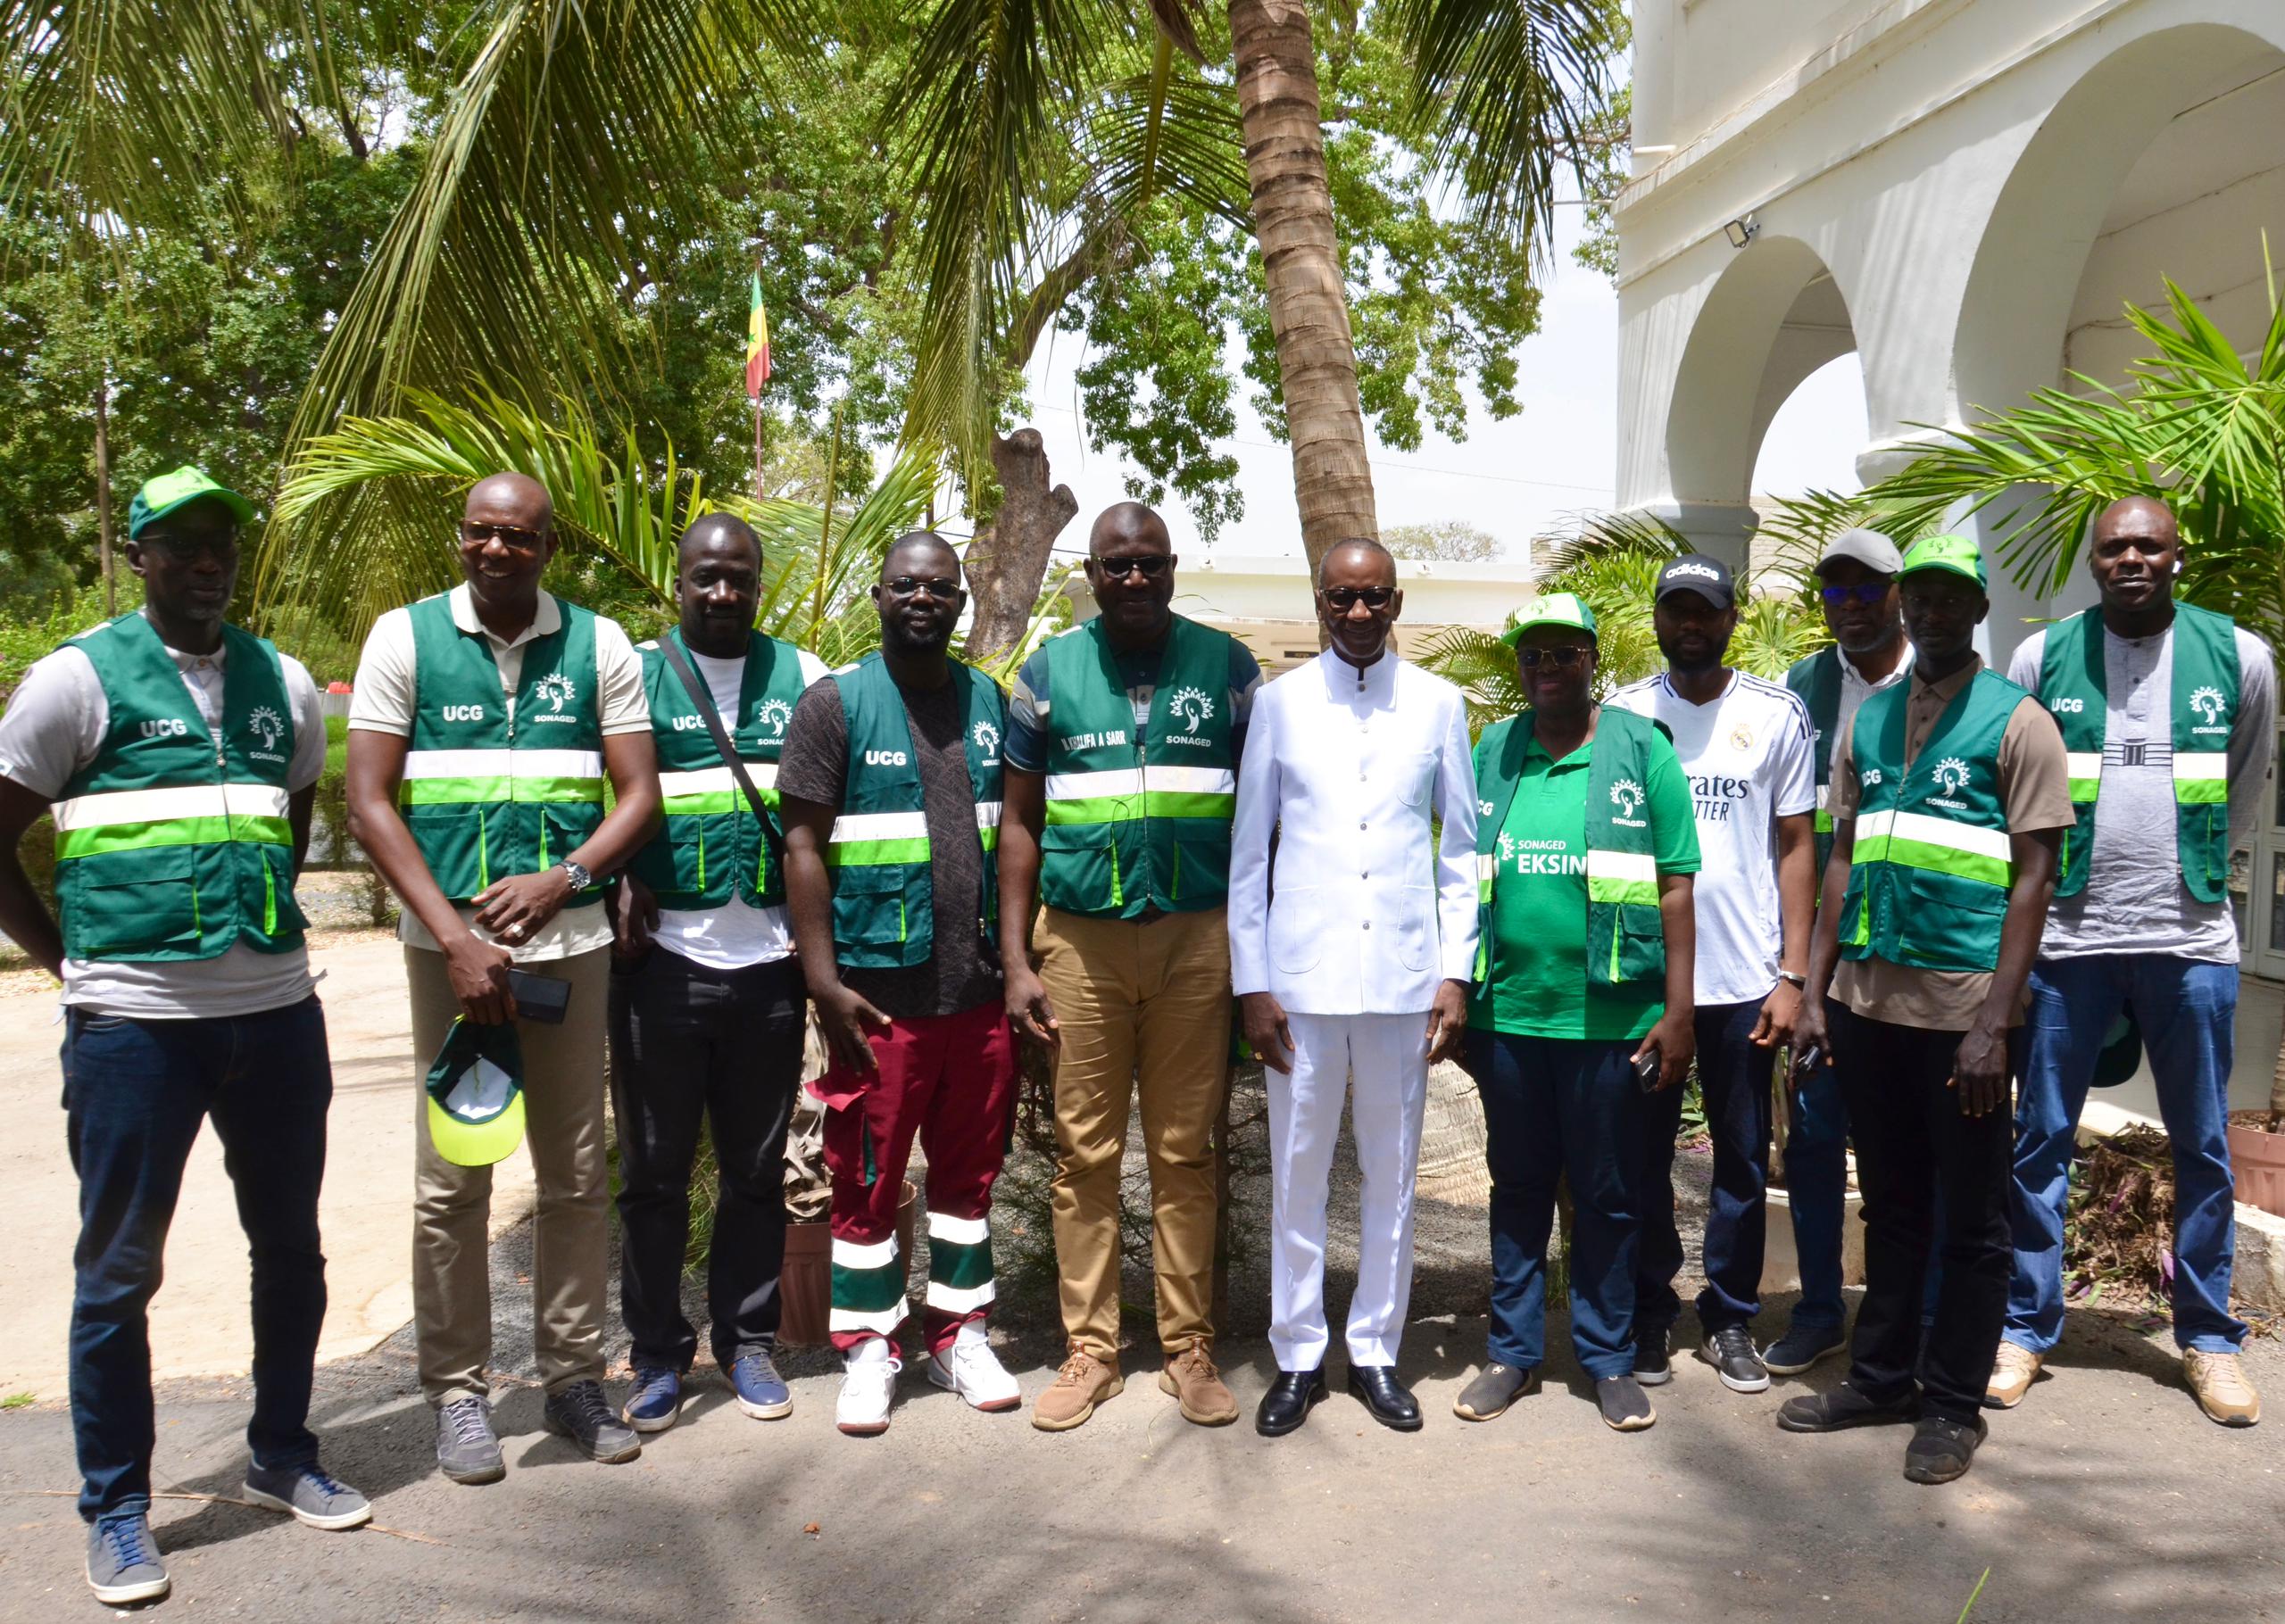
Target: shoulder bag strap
<point x="704" y="701"/>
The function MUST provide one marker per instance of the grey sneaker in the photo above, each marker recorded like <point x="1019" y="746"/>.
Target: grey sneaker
<point x="1625" y="1406"/>
<point x="312" y="1498"/>
<point x="1495" y="1387"/>
<point x="581" y="1413"/>
<point x="123" y="1561"/>
<point x="467" y="1449"/>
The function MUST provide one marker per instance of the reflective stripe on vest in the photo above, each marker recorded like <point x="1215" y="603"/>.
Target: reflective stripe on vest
<point x="449" y="778"/>
<point x="2201" y="777"/>
<point x="1164" y="792"/>
<point x="1630" y="877"/>
<point x="190" y="815"/>
<point x="875" y="838"/>
<point x="713" y="789"/>
<point x="1914" y="839"/>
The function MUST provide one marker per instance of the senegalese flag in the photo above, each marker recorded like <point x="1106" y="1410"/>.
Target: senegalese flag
<point x="757" y="344"/>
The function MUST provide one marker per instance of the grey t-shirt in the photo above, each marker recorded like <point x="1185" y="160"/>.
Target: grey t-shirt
<point x="54" y="726"/>
<point x="962" y="973"/>
<point x="2134" y="900"/>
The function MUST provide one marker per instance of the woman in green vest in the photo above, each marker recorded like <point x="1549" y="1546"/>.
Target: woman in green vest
<point x="1585" y="845"/>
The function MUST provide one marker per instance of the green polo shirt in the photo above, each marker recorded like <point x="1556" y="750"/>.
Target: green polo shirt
<point x="1539" y="905"/>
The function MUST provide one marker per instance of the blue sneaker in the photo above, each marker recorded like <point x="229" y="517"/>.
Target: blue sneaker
<point x="123" y="1561"/>
<point x="655" y="1401"/>
<point x="308" y="1495"/>
<point x="1801" y="1346"/>
<point x="762" y="1391"/>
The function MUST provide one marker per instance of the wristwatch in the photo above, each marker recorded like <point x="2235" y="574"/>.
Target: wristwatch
<point x="579" y="877"/>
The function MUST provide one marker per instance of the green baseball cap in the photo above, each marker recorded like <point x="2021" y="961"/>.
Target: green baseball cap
<point x="169" y="492"/>
<point x="1551" y="608"/>
<point x="476" y="1094"/>
<point x="1955" y="553"/>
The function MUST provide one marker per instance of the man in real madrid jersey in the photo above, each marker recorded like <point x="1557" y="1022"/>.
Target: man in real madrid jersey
<point x="707" y="1009"/>
<point x="1949" y="804"/>
<point x="2169" y="714"/>
<point x="179" y="755"/>
<point x="484" y="722"/>
<point x="890" y="785"/>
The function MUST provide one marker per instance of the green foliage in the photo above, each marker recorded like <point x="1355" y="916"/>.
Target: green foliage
<point x="1454" y="541"/>
<point x="2196" y="424"/>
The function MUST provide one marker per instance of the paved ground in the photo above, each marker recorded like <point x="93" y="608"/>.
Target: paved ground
<point x="2106" y="1496"/>
<point x="199" y="1318"/>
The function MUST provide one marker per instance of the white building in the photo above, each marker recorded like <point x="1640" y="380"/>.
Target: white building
<point x="1965" y="192"/>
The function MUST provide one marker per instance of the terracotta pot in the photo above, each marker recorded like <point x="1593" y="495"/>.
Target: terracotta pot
<point x="805" y="1284"/>
<point x="2257" y="1160"/>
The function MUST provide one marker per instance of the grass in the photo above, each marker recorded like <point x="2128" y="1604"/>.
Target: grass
<point x="336" y="745"/>
<point x="19" y="1401"/>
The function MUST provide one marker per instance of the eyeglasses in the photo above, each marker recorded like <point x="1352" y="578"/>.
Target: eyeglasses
<point x="1150" y="566"/>
<point x="1341" y="598"/>
<point x="1867" y="592"/>
<point x="935" y="586"/>
<point x="1563" y="659"/>
<point x="188" y="548"/>
<point x="507" y="535"/>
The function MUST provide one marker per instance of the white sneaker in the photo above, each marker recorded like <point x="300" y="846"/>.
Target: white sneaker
<point x="866" y="1385"/>
<point x="973" y="1370"/>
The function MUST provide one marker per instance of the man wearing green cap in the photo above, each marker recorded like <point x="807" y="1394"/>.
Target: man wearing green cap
<point x="178" y="756"/>
<point x="1948" y="801"/>
<point x="486" y="722"/>
<point x="1586" y="845"/>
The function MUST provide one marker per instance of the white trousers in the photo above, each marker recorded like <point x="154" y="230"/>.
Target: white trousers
<point x="1387" y="1055"/>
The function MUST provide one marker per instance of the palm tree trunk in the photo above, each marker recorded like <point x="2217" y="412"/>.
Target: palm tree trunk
<point x="1309" y="307"/>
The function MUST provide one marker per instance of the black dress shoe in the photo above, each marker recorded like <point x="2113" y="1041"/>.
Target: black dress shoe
<point x="1377" y="1388"/>
<point x="1287" y="1404"/>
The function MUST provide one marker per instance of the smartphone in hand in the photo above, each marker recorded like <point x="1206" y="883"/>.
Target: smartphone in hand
<point x="1646" y="1071"/>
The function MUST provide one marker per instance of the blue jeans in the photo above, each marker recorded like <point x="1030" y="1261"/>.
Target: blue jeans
<point x="2187" y="1010"/>
<point x="135" y="1092"/>
<point x="1733" y="1076"/>
<point x="1554" y="1107"/>
<point x="1816" y="1188"/>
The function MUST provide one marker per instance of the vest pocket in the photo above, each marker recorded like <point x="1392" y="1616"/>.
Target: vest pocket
<point x="1079" y="867"/>
<point x="1642" y="943"/>
<point x="1202" y="866"/>
<point x="462" y="853"/>
<point x="133" y="903"/>
<point x="870" y="907"/>
<point x="1952" y="924"/>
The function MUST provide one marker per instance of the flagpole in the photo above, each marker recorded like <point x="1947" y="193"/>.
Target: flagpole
<point x="757" y="401"/>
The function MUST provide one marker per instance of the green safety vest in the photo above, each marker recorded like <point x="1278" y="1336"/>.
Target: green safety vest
<point x="1931" y="865"/>
<point x="1626" y="942"/>
<point x="173" y="843"/>
<point x="487" y="796"/>
<point x="2072" y="685"/>
<point x="883" y="913"/>
<point x="1818" y="681"/>
<point x="710" y="847"/>
<point x="1132" y="824"/>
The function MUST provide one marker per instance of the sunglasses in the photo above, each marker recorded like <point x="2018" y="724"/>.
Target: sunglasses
<point x="1341" y="599"/>
<point x="190" y="548"/>
<point x="1150" y="566"/>
<point x="1563" y="659"/>
<point x="935" y="586"/>
<point x="1867" y="592"/>
<point x="507" y="535"/>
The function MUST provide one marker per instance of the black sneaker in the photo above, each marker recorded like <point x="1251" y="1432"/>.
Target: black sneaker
<point x="581" y="1413"/>
<point x="1730" y="1351"/>
<point x="1625" y="1406"/>
<point x="1801" y="1346"/>
<point x="1495" y="1387"/>
<point x="1843" y="1408"/>
<point x="1654" y="1362"/>
<point x="1941" y="1450"/>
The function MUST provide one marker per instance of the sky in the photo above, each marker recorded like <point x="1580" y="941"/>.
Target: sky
<point x="1533" y="474"/>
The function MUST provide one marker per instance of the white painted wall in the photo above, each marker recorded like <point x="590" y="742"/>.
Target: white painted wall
<point x="1237" y="587"/>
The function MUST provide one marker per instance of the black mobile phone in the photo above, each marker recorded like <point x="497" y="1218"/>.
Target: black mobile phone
<point x="539" y="997"/>
<point x="1646" y="1071"/>
<point x="1806" y="1062"/>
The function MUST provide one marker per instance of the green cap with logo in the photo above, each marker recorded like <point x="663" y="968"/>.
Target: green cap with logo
<point x="476" y="1094"/>
<point x="1551" y="608"/>
<point x="170" y="492"/>
<point x="1955" y="553"/>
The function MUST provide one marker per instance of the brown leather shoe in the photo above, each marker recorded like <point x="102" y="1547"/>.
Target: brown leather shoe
<point x="1084" y="1382"/>
<point x="1190" y="1376"/>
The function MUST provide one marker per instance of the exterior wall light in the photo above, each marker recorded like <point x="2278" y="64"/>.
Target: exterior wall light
<point x="1742" y="231"/>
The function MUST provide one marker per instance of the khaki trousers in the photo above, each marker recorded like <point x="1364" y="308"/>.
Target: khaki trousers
<point x="452" y="1206"/>
<point x="1143" y="1006"/>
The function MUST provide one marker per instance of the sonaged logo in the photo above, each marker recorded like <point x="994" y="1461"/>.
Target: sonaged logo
<point x="2209" y="705"/>
<point x="267" y="723"/>
<point x="987" y="738"/>
<point x="1951" y="774"/>
<point x="1192" y="706"/>
<point x="1627" y="795"/>
<point x="774" y="715"/>
<point x="558" y="691"/>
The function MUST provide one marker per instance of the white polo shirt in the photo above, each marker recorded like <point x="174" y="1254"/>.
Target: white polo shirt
<point x="1749" y="758"/>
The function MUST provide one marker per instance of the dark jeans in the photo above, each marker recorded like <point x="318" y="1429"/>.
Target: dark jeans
<point x="689" y="1042"/>
<point x="1909" y="1131"/>
<point x="1816" y="1186"/>
<point x="135" y="1092"/>
<point x="1554" y="1107"/>
<point x="1733" y="1076"/>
